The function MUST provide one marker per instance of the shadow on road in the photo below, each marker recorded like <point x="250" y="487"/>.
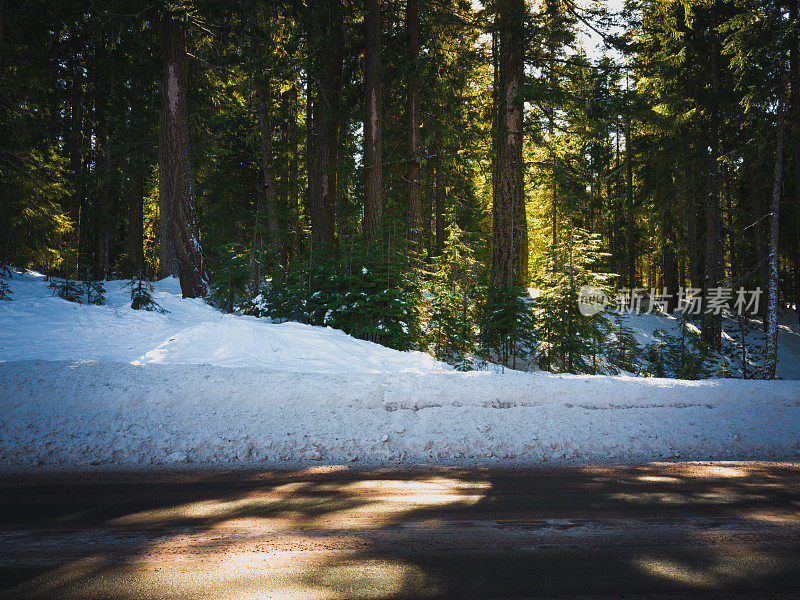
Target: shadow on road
<point x="661" y="530"/>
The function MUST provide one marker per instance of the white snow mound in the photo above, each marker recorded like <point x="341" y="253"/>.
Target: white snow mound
<point x="110" y="387"/>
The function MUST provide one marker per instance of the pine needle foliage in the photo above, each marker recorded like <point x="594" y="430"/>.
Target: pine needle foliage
<point x="230" y="276"/>
<point x="570" y="342"/>
<point x="370" y="296"/>
<point x="508" y="327"/>
<point x="679" y="353"/>
<point x="5" y="292"/>
<point x="142" y="296"/>
<point x="66" y="289"/>
<point x="453" y="292"/>
<point x="623" y="350"/>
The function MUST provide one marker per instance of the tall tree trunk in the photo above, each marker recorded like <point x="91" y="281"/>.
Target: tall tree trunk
<point x="328" y="75"/>
<point x="630" y="251"/>
<point x="102" y="164"/>
<point x="412" y="122"/>
<point x="756" y="226"/>
<point x="712" y="323"/>
<point x="439" y="192"/>
<point x="179" y="228"/>
<point x="373" y="181"/>
<point x="76" y="146"/>
<point x="670" y="261"/>
<point x="508" y="208"/>
<point x="794" y="74"/>
<point x="290" y="205"/>
<point x="268" y="173"/>
<point x="311" y="179"/>
<point x="135" y="234"/>
<point x="771" y="340"/>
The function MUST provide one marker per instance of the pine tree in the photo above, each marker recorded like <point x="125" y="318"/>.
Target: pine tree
<point x="508" y="327"/>
<point x="5" y="291"/>
<point x="680" y="353"/>
<point x="142" y="296"/>
<point x="92" y="289"/>
<point x="623" y="350"/>
<point x="453" y="292"/>
<point x="231" y="276"/>
<point x="568" y="340"/>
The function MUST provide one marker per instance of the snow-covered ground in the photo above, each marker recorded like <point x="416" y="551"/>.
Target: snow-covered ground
<point x="37" y="325"/>
<point x="117" y="388"/>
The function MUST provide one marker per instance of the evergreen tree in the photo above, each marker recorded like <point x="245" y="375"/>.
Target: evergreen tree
<point x="453" y="293"/>
<point x="142" y="296"/>
<point x="623" y="350"/>
<point x="231" y="276"/>
<point x="66" y="289"/>
<point x="680" y="353"/>
<point x="5" y="291"/>
<point x="508" y="327"/>
<point x="568" y="340"/>
<point x="92" y="289"/>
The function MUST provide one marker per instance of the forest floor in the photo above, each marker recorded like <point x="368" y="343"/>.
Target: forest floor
<point x="107" y="387"/>
<point x="660" y="531"/>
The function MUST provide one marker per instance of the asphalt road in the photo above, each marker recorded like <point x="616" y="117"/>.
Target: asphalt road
<point x="712" y="530"/>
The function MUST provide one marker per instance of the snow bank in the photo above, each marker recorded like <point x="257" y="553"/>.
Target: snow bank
<point x="117" y="388"/>
<point x="78" y="414"/>
<point x="36" y="325"/>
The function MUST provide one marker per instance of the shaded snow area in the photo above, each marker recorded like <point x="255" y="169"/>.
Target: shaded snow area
<point x="110" y="387"/>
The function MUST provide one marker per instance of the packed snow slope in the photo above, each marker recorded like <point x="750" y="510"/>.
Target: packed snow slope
<point x="109" y="387"/>
<point x="37" y="325"/>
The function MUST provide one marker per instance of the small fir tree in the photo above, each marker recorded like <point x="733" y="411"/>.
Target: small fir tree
<point x="508" y="327"/>
<point x="623" y="351"/>
<point x="658" y="354"/>
<point x="142" y="296"/>
<point x="231" y="276"/>
<point x="92" y="289"/>
<point x="368" y="294"/>
<point x="5" y="292"/>
<point x="66" y="289"/>
<point x="680" y="353"/>
<point x="688" y="350"/>
<point x="570" y="341"/>
<point x="452" y="296"/>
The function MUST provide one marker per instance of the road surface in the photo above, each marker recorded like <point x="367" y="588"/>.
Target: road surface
<point x="710" y="530"/>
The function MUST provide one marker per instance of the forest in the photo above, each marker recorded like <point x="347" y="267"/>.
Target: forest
<point x="434" y="175"/>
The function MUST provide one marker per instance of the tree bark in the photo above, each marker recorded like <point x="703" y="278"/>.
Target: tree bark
<point x="76" y="147"/>
<point x="373" y="181"/>
<point x="311" y="179"/>
<point x="771" y="339"/>
<point x="328" y="75"/>
<point x="413" y="174"/>
<point x="757" y="227"/>
<point x="630" y="251"/>
<point x="712" y="323"/>
<point x="291" y="207"/>
<point x="102" y="164"/>
<point x="179" y="229"/>
<point x="268" y="173"/>
<point x="794" y="74"/>
<point x="508" y="209"/>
